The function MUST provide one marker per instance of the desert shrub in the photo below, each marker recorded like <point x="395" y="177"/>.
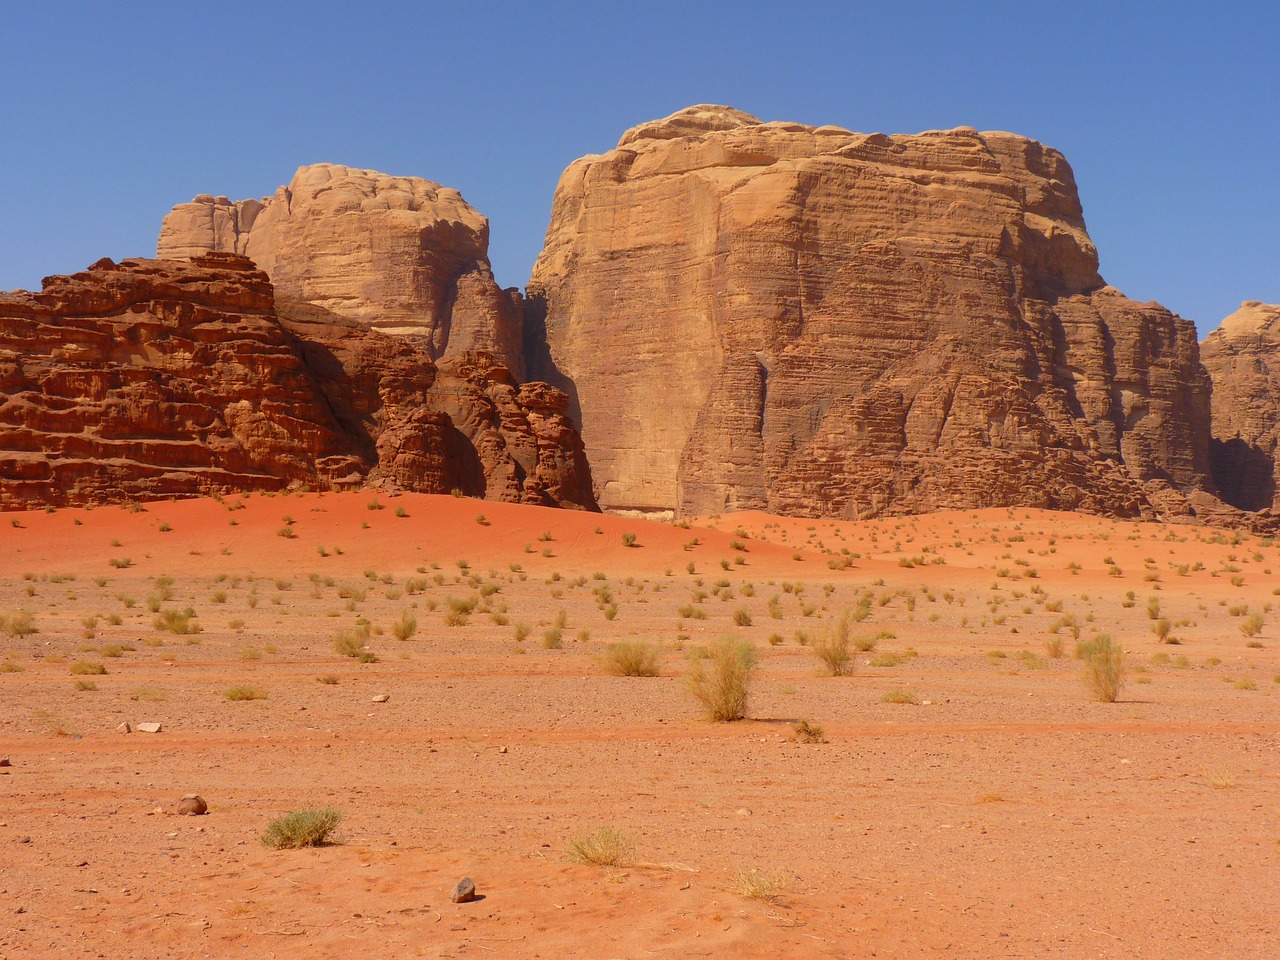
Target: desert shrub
<point x="756" y="885"/>
<point x="832" y="649"/>
<point x="632" y="658"/>
<point x="1104" y="667"/>
<point x="520" y="631"/>
<point x="553" y="638"/>
<point x="722" y="681"/>
<point x="301" y="828"/>
<point x="176" y="621"/>
<point x="1251" y="625"/>
<point x="18" y="624"/>
<point x="86" y="669"/>
<point x="807" y="732"/>
<point x="742" y="618"/>
<point x="606" y="847"/>
<point x="899" y="696"/>
<point x="405" y="627"/>
<point x="245" y="693"/>
<point x="351" y="643"/>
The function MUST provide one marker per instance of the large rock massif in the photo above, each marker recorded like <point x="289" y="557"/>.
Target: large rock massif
<point x="163" y="378"/>
<point x="818" y="322"/>
<point x="1243" y="358"/>
<point x="397" y="254"/>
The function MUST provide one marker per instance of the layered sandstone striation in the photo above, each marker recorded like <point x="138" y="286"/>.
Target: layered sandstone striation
<point x="155" y="378"/>
<point x="813" y="321"/>
<point x="1243" y="358"/>
<point x="397" y="254"/>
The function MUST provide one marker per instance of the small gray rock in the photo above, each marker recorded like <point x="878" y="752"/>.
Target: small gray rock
<point x="464" y="891"/>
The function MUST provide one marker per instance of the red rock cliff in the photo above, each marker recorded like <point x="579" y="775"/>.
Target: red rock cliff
<point x="813" y="321"/>
<point x="398" y="254"/>
<point x="170" y="378"/>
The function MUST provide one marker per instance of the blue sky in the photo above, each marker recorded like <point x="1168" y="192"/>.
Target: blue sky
<point x="111" y="113"/>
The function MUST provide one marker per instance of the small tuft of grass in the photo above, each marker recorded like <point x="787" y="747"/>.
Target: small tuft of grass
<point x="301" y="828"/>
<point x="754" y="884"/>
<point x="807" y="732"/>
<point x="899" y="696"/>
<point x="1105" y="667"/>
<point x="832" y="649"/>
<point x="84" y="668"/>
<point x="631" y="658"/>
<point x="721" y="681"/>
<point x="607" y="847"/>
<point x="245" y="693"/>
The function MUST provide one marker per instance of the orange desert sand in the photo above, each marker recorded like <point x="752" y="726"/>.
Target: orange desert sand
<point x="1003" y="813"/>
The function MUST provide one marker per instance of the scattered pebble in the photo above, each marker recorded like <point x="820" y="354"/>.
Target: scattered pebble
<point x="149" y="727"/>
<point x="192" y="805"/>
<point x="464" y="891"/>
<point x="125" y="727"/>
<point x="4" y="761"/>
<point x="743" y="812"/>
<point x="381" y="698"/>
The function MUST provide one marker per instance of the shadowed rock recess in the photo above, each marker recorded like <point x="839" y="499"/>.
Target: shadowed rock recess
<point x="155" y="378"/>
<point x="818" y="322"/>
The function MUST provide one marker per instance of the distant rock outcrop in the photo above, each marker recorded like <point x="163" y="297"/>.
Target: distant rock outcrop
<point x="397" y="254"/>
<point x="1243" y="358"/>
<point x="818" y="322"/>
<point x="154" y="378"/>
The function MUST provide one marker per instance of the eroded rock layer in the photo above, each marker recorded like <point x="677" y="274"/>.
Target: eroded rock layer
<point x="1243" y="358"/>
<point x="819" y="322"/>
<point x="398" y="254"/>
<point x="155" y="378"/>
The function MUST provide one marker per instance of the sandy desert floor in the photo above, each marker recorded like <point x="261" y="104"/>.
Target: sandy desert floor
<point x="970" y="798"/>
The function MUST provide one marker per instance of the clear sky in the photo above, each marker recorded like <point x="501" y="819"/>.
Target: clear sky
<point x="112" y="112"/>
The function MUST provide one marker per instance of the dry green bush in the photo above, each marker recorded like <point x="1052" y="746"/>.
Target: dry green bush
<point x="301" y="828"/>
<point x="756" y="885"/>
<point x="631" y="658"/>
<point x="1105" y="666"/>
<point x="606" y="847"/>
<point x="238" y="693"/>
<point x="351" y="643"/>
<point x="18" y="624"/>
<point x="807" y="732"/>
<point x="832" y="649"/>
<point x="177" y="621"/>
<point x="86" y="669"/>
<point x="405" y="627"/>
<point x="721" y="681"/>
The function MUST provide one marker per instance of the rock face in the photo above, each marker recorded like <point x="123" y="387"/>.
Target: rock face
<point x="175" y="378"/>
<point x="819" y="322"/>
<point x="1243" y="358"/>
<point x="397" y="254"/>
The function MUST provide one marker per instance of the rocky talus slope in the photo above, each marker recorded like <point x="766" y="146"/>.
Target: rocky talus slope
<point x="154" y="378"/>
<point x="397" y="254"/>
<point x="818" y="322"/>
<point x="1243" y="358"/>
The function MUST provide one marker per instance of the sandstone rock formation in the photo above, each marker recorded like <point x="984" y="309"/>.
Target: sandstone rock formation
<point x="1243" y="358"/>
<point x="170" y="378"/>
<point x="398" y="254"/>
<point x="819" y="322"/>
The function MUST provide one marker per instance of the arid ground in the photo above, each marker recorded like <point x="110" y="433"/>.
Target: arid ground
<point x="969" y="796"/>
